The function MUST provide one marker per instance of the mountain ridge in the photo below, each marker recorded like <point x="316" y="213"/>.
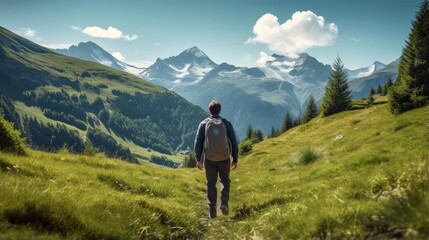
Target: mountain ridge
<point x="90" y="51"/>
<point x="186" y="73"/>
<point x="62" y="96"/>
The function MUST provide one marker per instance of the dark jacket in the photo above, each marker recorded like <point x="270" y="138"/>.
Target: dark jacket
<point x="200" y="137"/>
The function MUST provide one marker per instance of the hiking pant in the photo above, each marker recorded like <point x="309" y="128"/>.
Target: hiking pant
<point x="213" y="169"/>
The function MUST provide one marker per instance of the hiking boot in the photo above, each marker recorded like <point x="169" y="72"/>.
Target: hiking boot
<point x="224" y="209"/>
<point x="212" y="214"/>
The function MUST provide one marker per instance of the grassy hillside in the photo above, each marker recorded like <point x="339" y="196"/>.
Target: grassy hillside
<point x="41" y="90"/>
<point x="358" y="174"/>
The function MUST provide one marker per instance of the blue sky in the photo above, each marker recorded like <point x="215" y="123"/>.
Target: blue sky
<point x="360" y="32"/>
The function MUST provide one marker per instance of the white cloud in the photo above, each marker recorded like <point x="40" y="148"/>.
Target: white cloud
<point x="264" y="58"/>
<point x="56" y="45"/>
<point x="110" y="32"/>
<point x="76" y="28"/>
<point x="156" y="44"/>
<point x="141" y="63"/>
<point x="355" y="39"/>
<point x="118" y="56"/>
<point x="136" y="63"/>
<point x="29" y="33"/>
<point x="304" y="30"/>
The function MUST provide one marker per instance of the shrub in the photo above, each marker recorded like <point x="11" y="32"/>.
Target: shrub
<point x="10" y="138"/>
<point x="189" y="161"/>
<point x="307" y="156"/>
<point x="245" y="147"/>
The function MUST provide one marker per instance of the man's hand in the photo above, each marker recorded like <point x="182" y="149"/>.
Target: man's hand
<point x="200" y="165"/>
<point x="234" y="166"/>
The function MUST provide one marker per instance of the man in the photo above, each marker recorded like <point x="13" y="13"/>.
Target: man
<point x="214" y="143"/>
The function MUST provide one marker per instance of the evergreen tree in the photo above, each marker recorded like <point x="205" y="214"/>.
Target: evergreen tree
<point x="311" y="110"/>
<point x="387" y="85"/>
<point x="272" y="133"/>
<point x="249" y="133"/>
<point x="411" y="89"/>
<point x="287" y="123"/>
<point x="296" y="122"/>
<point x="258" y="135"/>
<point x="337" y="96"/>
<point x="379" y="89"/>
<point x="370" y="98"/>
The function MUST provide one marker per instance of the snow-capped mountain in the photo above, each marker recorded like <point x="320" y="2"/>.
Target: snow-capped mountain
<point x="305" y="73"/>
<point x="188" y="67"/>
<point x="360" y="87"/>
<point x="92" y="52"/>
<point x="366" y="71"/>
<point x="259" y="96"/>
<point x="247" y="95"/>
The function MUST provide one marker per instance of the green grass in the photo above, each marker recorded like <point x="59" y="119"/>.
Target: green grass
<point x="93" y="197"/>
<point x="371" y="183"/>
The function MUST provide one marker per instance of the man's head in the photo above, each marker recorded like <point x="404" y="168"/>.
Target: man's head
<point x="214" y="108"/>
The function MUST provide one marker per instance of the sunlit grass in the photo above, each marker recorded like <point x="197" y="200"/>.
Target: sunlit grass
<point x="306" y="183"/>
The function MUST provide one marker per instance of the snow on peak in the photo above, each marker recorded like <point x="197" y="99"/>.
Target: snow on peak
<point x="196" y="52"/>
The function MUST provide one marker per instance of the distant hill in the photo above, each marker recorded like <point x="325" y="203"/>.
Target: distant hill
<point x="60" y="101"/>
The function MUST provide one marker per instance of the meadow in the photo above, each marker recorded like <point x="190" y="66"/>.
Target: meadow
<point x="362" y="173"/>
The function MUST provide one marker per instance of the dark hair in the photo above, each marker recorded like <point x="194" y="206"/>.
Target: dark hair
<point x="214" y="107"/>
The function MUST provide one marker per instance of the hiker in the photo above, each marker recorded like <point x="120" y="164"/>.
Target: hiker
<point x="214" y="143"/>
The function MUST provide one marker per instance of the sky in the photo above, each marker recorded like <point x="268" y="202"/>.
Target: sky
<point x="239" y="32"/>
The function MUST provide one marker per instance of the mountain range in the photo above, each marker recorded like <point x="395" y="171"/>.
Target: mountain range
<point x="58" y="101"/>
<point x="257" y="96"/>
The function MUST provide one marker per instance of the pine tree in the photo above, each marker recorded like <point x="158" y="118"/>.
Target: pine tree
<point x="273" y="133"/>
<point x="387" y="85"/>
<point x="370" y="98"/>
<point x="379" y="89"/>
<point x="337" y="96"/>
<point x="311" y="110"/>
<point x="249" y="133"/>
<point x="258" y="135"/>
<point x="287" y="123"/>
<point x="411" y="89"/>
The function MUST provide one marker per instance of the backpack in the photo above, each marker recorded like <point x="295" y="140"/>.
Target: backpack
<point x="216" y="143"/>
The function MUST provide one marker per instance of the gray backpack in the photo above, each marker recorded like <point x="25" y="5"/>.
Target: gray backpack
<point x="216" y="144"/>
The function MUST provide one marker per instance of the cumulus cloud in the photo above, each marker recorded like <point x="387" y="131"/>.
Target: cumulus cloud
<point x="118" y="56"/>
<point x="29" y="33"/>
<point x="264" y="58"/>
<point x="304" y="30"/>
<point x="110" y="32"/>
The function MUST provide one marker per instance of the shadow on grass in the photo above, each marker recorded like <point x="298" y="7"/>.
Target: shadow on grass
<point x="123" y="186"/>
<point x="245" y="211"/>
<point x="44" y="218"/>
<point x="8" y="167"/>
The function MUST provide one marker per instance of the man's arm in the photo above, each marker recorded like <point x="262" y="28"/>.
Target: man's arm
<point x="199" y="142"/>
<point x="233" y="139"/>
